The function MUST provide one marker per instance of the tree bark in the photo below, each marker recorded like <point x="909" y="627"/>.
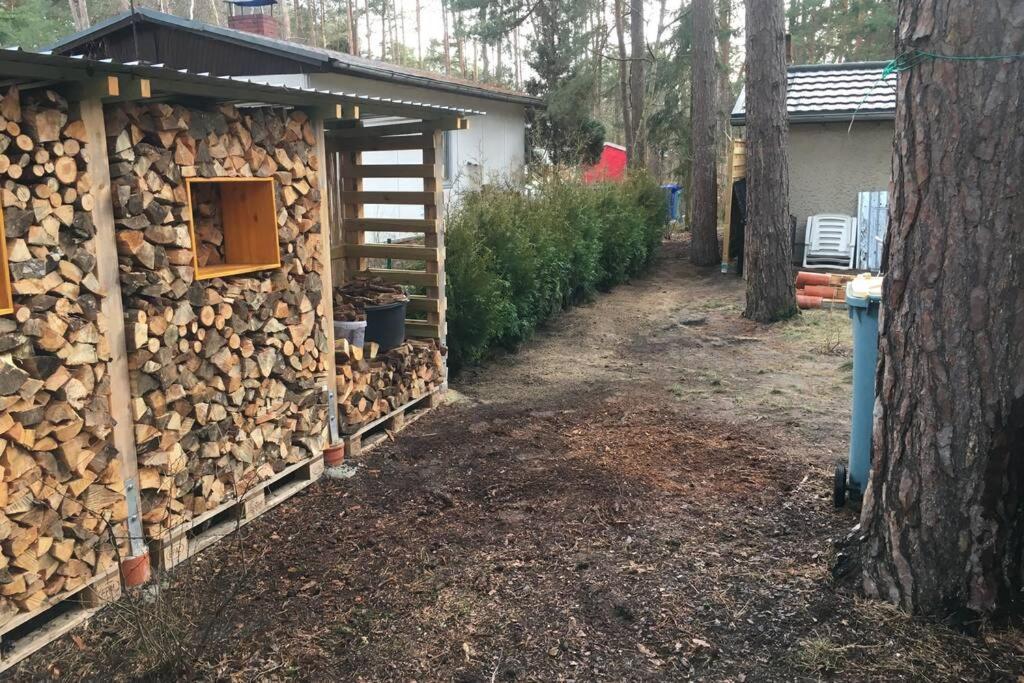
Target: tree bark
<point x="637" y="63"/>
<point x="286" y="20"/>
<point x="79" y="14"/>
<point x="943" y="514"/>
<point x="620" y="32"/>
<point x="353" y="29"/>
<point x="419" y="35"/>
<point x="369" y="31"/>
<point x="771" y="294"/>
<point x="703" y="180"/>
<point x="447" y="39"/>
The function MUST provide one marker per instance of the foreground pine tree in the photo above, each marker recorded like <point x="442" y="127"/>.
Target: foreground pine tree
<point x="944" y="510"/>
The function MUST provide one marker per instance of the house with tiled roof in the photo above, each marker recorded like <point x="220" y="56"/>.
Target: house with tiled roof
<point x="841" y="127"/>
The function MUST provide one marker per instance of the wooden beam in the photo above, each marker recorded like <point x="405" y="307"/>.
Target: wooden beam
<point x="429" y="126"/>
<point x="414" y="278"/>
<point x="395" y="251"/>
<point x="99" y="87"/>
<point x="135" y="88"/>
<point x="351" y="208"/>
<point x="388" y="197"/>
<point x="433" y="210"/>
<point x="413" y="225"/>
<point x="424" y="304"/>
<point x="389" y="171"/>
<point x="326" y="279"/>
<point x="112" y="310"/>
<point x="338" y="111"/>
<point x="385" y="144"/>
<point x="422" y="328"/>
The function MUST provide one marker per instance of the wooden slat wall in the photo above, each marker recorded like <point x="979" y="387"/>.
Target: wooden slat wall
<point x="350" y="254"/>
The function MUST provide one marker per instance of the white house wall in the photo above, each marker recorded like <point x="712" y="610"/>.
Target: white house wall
<point x="492" y="149"/>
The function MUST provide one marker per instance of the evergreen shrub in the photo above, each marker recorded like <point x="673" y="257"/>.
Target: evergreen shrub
<point x="516" y="256"/>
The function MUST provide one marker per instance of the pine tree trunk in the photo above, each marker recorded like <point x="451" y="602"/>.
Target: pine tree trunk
<point x="369" y="31"/>
<point x="353" y="30"/>
<point x="944" y="510"/>
<point x="419" y="37"/>
<point x="447" y="39"/>
<point x="637" y="62"/>
<point x="79" y="14"/>
<point x="703" y="183"/>
<point x="771" y="294"/>
<point x="620" y="32"/>
<point x="384" y="31"/>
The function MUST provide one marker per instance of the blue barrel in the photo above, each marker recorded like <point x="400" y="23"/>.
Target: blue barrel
<point x="864" y="314"/>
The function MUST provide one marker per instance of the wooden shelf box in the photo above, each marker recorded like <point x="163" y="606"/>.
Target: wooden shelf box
<point x="6" y="300"/>
<point x="233" y="222"/>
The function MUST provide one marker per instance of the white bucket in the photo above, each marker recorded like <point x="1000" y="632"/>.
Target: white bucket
<point x="354" y="331"/>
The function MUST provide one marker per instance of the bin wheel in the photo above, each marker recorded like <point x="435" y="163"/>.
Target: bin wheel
<point x="839" y="485"/>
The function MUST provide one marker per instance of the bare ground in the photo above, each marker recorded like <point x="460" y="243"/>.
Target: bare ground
<point x="641" y="493"/>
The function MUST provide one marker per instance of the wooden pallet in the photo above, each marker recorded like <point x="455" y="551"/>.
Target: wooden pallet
<point x="28" y="632"/>
<point x="185" y="540"/>
<point x="370" y="435"/>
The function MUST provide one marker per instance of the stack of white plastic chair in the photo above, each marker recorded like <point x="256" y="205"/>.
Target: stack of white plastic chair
<point x="831" y="241"/>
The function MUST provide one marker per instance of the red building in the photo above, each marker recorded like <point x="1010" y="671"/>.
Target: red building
<point x="610" y="167"/>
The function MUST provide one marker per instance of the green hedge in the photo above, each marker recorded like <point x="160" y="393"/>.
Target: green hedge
<point x="516" y="257"/>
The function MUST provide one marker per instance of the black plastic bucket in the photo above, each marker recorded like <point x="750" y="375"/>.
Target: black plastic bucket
<point x="386" y="324"/>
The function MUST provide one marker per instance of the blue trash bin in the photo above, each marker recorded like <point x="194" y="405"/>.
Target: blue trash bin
<point x="672" y="192"/>
<point x="863" y="308"/>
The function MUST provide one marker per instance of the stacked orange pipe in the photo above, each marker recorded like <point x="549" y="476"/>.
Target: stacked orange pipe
<point x="813" y="289"/>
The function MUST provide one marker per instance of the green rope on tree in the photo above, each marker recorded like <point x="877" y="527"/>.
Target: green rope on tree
<point x="911" y="58"/>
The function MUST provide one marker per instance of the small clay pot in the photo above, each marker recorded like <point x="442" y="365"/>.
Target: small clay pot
<point x="334" y="455"/>
<point x="136" y="571"/>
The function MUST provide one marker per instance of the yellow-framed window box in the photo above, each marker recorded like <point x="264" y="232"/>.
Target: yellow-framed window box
<point x="233" y="224"/>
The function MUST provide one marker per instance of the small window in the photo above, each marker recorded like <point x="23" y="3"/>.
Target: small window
<point x="448" y="157"/>
<point x="6" y="302"/>
<point x="234" y="226"/>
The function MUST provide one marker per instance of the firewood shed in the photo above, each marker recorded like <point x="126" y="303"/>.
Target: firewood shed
<point x="167" y="358"/>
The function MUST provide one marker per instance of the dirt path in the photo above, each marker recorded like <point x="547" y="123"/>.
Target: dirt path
<point x="640" y="494"/>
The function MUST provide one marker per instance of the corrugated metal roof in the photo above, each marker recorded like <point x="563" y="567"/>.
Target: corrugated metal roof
<point x="832" y="92"/>
<point x="327" y="60"/>
<point x="16" y="63"/>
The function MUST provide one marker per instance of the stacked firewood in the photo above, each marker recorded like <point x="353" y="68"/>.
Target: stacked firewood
<point x="352" y="298"/>
<point x="226" y="373"/>
<point x="62" y="503"/>
<point x="209" y="227"/>
<point x="371" y="385"/>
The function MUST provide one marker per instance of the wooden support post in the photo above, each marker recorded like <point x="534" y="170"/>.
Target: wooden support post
<point x="326" y="279"/>
<point x="737" y="170"/>
<point x="113" y="315"/>
<point x="351" y="209"/>
<point x="434" y="184"/>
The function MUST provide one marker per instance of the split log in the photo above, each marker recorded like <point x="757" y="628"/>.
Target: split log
<point x="62" y="505"/>
<point x="226" y="373"/>
<point x="370" y="385"/>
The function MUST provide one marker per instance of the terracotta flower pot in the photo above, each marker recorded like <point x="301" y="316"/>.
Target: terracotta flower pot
<point x="804" y="301"/>
<point x="824" y="292"/>
<point x="334" y="455"/>
<point x="803" y="278"/>
<point x="136" y="571"/>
